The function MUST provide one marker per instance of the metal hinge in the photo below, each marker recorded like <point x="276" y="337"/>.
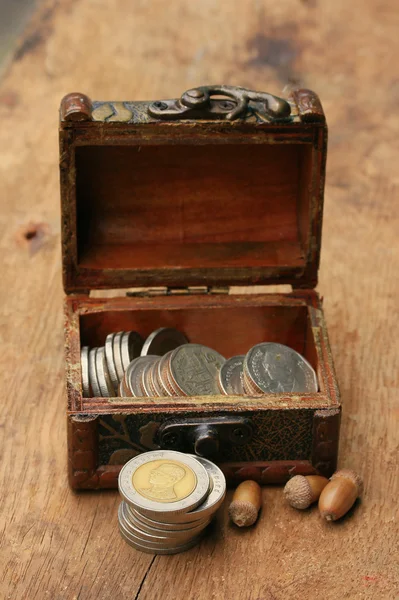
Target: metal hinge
<point x="181" y="291"/>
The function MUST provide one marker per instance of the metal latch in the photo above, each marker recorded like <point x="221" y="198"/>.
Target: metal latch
<point x="204" y="436"/>
<point x="205" y="102"/>
<point x="180" y="291"/>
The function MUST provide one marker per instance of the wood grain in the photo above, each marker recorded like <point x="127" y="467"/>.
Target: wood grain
<point x="60" y="545"/>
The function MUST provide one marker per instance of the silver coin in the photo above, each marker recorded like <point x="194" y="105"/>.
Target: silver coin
<point x="230" y="376"/>
<point x="166" y="526"/>
<point x="163" y="340"/>
<point x="195" y="370"/>
<point x="217" y="494"/>
<point x="148" y="549"/>
<point x="276" y="369"/>
<point x="95" y="386"/>
<point x="117" y="354"/>
<point x="84" y="363"/>
<point x="103" y="378"/>
<point x="152" y="534"/>
<point x="109" y="356"/>
<point x="163" y="483"/>
<point x="134" y="375"/>
<point x="141" y="537"/>
<point x="131" y="345"/>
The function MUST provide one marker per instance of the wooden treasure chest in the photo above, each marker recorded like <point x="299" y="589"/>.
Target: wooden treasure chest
<point x="165" y="206"/>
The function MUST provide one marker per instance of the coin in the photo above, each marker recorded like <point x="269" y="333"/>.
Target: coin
<point x="163" y="484"/>
<point x="124" y="390"/>
<point x="95" y="386"/>
<point x="194" y="370"/>
<point x="109" y="356"/>
<point x="230" y="376"/>
<point x="162" y="341"/>
<point x="103" y="378"/>
<point x="217" y="494"/>
<point x="134" y="375"/>
<point x="166" y="376"/>
<point x="117" y="354"/>
<point x="84" y="360"/>
<point x="274" y="369"/>
<point x="147" y="548"/>
<point x="153" y="377"/>
<point x="131" y="345"/>
<point x="154" y="534"/>
<point x="166" y="526"/>
<point x="146" y="381"/>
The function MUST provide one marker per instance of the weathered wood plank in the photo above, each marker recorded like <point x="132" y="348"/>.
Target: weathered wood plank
<point x="60" y="545"/>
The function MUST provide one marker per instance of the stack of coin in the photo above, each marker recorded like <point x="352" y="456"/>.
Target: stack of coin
<point x="188" y="370"/>
<point x="169" y="498"/>
<point x="104" y="368"/>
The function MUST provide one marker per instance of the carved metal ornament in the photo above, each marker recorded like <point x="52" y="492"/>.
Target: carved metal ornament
<point x="200" y="103"/>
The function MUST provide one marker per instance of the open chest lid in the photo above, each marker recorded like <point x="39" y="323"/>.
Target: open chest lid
<point x="223" y="186"/>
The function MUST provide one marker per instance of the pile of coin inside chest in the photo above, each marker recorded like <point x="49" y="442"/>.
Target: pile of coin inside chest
<point x="166" y="364"/>
<point x="169" y="499"/>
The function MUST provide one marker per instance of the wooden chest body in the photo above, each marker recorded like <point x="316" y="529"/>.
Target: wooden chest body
<point x="187" y="207"/>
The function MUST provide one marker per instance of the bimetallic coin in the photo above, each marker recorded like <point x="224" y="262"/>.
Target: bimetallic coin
<point x="162" y="341"/>
<point x="194" y="370"/>
<point x="163" y="484"/>
<point x="109" y="357"/>
<point x="230" y="376"/>
<point x="217" y="494"/>
<point x="103" y="378"/>
<point x="154" y="534"/>
<point x="131" y="345"/>
<point x="117" y="354"/>
<point x="84" y="363"/>
<point x="149" y="549"/>
<point x="134" y="375"/>
<point x="95" y="386"/>
<point x="163" y="525"/>
<point x="276" y="369"/>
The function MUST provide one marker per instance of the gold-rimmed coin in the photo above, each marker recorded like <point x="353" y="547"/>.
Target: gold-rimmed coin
<point x="162" y="340"/>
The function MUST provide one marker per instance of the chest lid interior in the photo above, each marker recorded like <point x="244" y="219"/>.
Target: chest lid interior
<point x="195" y="196"/>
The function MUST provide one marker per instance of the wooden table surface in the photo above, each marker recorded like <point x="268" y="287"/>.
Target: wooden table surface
<point x="60" y="545"/>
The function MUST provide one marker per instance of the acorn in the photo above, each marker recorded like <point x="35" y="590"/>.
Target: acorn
<point x="340" y="494"/>
<point x="247" y="500"/>
<point x="301" y="491"/>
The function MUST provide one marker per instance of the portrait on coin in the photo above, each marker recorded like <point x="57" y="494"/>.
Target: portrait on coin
<point x="162" y="480"/>
<point x="280" y="373"/>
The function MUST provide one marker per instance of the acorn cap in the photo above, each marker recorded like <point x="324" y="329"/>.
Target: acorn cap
<point x="298" y="492"/>
<point x="351" y="476"/>
<point x="243" y="513"/>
